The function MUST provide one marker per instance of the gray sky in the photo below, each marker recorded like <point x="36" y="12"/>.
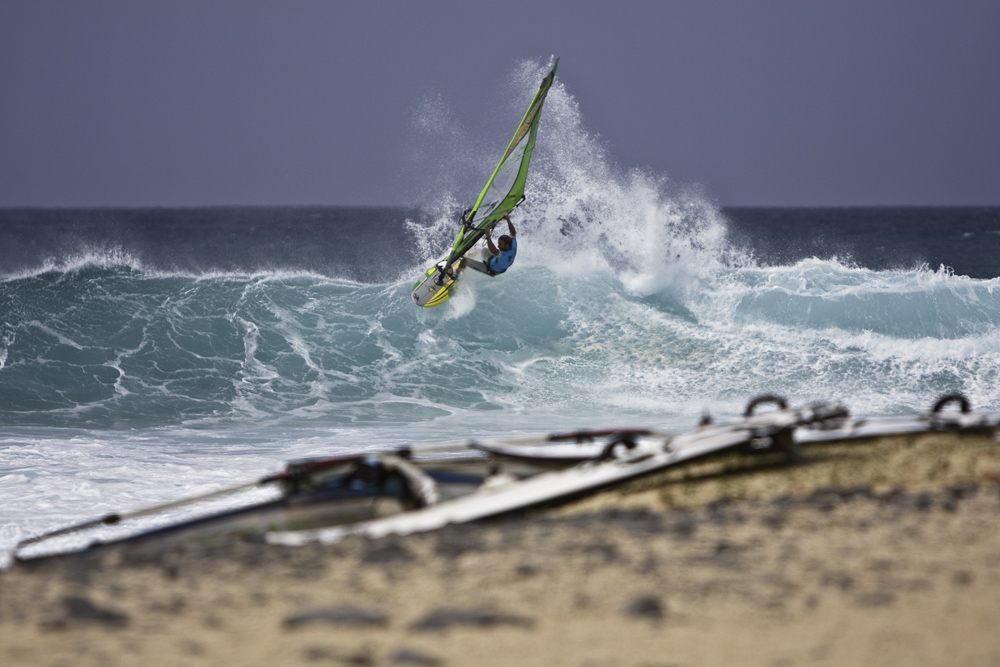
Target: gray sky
<point x="760" y="102"/>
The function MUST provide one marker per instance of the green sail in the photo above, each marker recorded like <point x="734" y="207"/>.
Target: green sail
<point x="505" y="188"/>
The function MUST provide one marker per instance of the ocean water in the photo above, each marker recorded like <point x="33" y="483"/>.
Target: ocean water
<point x="152" y="354"/>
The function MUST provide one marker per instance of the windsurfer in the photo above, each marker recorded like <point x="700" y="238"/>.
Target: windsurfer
<point x="501" y="254"/>
<point x="503" y="191"/>
<point x="505" y="249"/>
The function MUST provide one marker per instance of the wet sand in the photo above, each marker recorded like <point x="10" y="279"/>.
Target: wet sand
<point x="879" y="553"/>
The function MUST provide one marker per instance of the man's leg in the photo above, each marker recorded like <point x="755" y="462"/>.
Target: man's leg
<point x="476" y="265"/>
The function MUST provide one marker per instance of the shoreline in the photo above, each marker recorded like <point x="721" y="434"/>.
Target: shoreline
<point x="886" y="553"/>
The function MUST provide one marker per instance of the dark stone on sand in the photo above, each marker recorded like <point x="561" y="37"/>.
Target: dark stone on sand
<point x="837" y="579"/>
<point x="923" y="501"/>
<point x="719" y="503"/>
<point x="213" y="622"/>
<point x="893" y="496"/>
<point x="309" y="568"/>
<point x="391" y="553"/>
<point x="914" y="584"/>
<point x="957" y="492"/>
<point x="79" y="571"/>
<point x="722" y="511"/>
<point x="324" y="654"/>
<point x="525" y="571"/>
<point x="684" y="527"/>
<point x="192" y="648"/>
<point x="876" y="599"/>
<point x="646" y="606"/>
<point x="827" y="498"/>
<point x="316" y="653"/>
<point x="607" y="553"/>
<point x="174" y="606"/>
<point x="723" y="554"/>
<point x="443" y="619"/>
<point x="349" y="616"/>
<point x="648" y="564"/>
<point x="962" y="491"/>
<point x="724" y="548"/>
<point x="511" y="535"/>
<point x="962" y="578"/>
<point x="454" y="541"/>
<point x="79" y="611"/>
<point x="824" y="499"/>
<point x="881" y="564"/>
<point x="407" y="656"/>
<point x="860" y="491"/>
<point x="142" y="558"/>
<point x="635" y="519"/>
<point x="784" y="500"/>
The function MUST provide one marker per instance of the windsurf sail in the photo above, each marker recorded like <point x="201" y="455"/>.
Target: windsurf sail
<point x="505" y="188"/>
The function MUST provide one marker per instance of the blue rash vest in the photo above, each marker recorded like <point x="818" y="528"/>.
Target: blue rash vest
<point x="500" y="263"/>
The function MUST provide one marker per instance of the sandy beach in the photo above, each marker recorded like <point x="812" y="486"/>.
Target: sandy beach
<point x="885" y="552"/>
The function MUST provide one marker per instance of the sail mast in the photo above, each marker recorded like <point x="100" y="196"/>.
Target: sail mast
<point x="504" y="189"/>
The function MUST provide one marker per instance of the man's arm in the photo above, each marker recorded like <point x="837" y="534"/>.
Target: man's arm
<point x="510" y="226"/>
<point x="489" y="242"/>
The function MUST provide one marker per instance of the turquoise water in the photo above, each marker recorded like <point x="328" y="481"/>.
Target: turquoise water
<point x="146" y="355"/>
